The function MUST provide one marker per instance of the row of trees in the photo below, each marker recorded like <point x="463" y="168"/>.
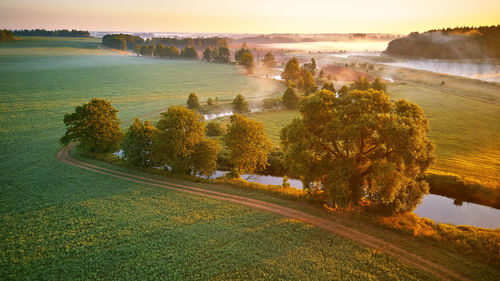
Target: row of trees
<point x="219" y="55"/>
<point x="178" y="141"/>
<point x="6" y="35"/>
<point x="121" y="41"/>
<point x="354" y="145"/>
<point x="165" y="52"/>
<point x="302" y="77"/>
<point x="451" y="43"/>
<point x="57" y="33"/>
<point x="129" y="42"/>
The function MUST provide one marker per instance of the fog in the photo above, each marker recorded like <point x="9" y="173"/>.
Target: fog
<point x="481" y="71"/>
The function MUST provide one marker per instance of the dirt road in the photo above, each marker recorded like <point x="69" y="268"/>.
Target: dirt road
<point x="331" y="226"/>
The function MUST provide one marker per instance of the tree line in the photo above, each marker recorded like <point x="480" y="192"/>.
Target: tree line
<point x="128" y="42"/>
<point x="451" y="43"/>
<point x="357" y="147"/>
<point x="6" y="35"/>
<point x="56" y="33"/>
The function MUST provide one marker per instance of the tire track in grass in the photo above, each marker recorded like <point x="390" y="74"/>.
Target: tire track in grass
<point x="344" y="231"/>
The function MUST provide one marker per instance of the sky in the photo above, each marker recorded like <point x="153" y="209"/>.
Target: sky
<point x="255" y="16"/>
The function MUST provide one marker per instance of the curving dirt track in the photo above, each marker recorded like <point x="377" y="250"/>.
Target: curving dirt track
<point x="331" y="226"/>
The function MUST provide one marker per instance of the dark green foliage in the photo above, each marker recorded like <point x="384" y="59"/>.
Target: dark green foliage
<point x="451" y="43"/>
<point x="210" y="101"/>
<point x="189" y="53"/>
<point x="290" y="99"/>
<point x="147" y="50"/>
<point x="138" y="143"/>
<point x="276" y="164"/>
<point x="165" y="52"/>
<point x="215" y="129"/>
<point x="269" y="103"/>
<point x="378" y="85"/>
<point x="240" y="105"/>
<point x="322" y="74"/>
<point x="199" y="43"/>
<point x="192" y="102"/>
<point x="361" y="145"/>
<point x="121" y="41"/>
<point x="95" y="125"/>
<point x="207" y="55"/>
<point x="223" y="55"/>
<point x="6" y="35"/>
<point x="55" y="33"/>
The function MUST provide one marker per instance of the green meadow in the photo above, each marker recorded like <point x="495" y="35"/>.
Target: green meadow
<point x="62" y="222"/>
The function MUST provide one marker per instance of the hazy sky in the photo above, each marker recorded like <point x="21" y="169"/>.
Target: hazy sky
<point x="255" y="16"/>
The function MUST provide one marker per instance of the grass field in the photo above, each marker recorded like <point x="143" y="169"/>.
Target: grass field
<point x="62" y="222"/>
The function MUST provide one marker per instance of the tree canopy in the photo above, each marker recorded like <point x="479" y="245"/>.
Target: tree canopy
<point x="247" y="143"/>
<point x="193" y="102"/>
<point x="292" y="70"/>
<point x="95" y="125"/>
<point x="360" y="145"/>
<point x="246" y="60"/>
<point x="181" y="144"/>
<point x="138" y="143"/>
<point x="290" y="99"/>
<point x="269" y="61"/>
<point x="240" y="105"/>
<point x="6" y="35"/>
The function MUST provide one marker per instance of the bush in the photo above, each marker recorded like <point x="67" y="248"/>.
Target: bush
<point x="214" y="129"/>
<point x="269" y="103"/>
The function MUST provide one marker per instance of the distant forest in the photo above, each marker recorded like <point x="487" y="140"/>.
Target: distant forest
<point x="451" y="43"/>
<point x="56" y="33"/>
<point x="6" y="35"/>
<point x="127" y="42"/>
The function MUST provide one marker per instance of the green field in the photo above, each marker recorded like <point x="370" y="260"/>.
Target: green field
<point x="62" y="222"/>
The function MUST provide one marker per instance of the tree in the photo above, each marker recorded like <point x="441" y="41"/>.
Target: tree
<point x="290" y="99"/>
<point x="361" y="145"/>
<point x="247" y="143"/>
<point x="321" y="74"/>
<point x="309" y="83"/>
<point x="223" y="55"/>
<point x="246" y="60"/>
<point x="329" y="86"/>
<point x="378" y="85"/>
<point x="292" y="70"/>
<point x="215" y="129"/>
<point x="6" y="35"/>
<point x="95" y="125"/>
<point x="210" y="101"/>
<point x="269" y="60"/>
<point x="310" y="66"/>
<point x="189" y="53"/>
<point x="178" y="142"/>
<point x="192" y="102"/>
<point x="361" y="84"/>
<point x="207" y="55"/>
<point x="241" y="51"/>
<point x="343" y="90"/>
<point x="137" y="49"/>
<point x="240" y="105"/>
<point x="138" y="143"/>
<point x="204" y="159"/>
